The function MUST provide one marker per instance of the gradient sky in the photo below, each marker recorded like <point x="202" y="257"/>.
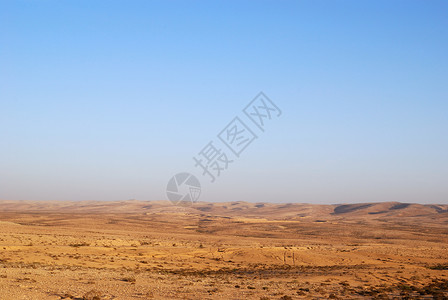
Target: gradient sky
<point x="106" y="100"/>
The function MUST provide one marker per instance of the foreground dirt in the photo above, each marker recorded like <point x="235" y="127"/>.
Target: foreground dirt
<point x="143" y="250"/>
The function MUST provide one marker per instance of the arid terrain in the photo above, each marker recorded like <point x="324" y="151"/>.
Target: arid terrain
<point x="235" y="250"/>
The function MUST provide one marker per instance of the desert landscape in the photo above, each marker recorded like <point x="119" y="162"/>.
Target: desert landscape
<point x="235" y="250"/>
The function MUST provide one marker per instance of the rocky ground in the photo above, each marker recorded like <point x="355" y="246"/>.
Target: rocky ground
<point x="235" y="250"/>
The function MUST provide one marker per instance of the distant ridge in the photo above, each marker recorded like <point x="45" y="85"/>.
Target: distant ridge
<point x="291" y="211"/>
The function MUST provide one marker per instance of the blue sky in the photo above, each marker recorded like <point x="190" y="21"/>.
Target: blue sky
<point x="106" y="100"/>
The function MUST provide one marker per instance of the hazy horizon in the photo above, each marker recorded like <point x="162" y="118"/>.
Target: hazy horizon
<point x="199" y="202"/>
<point x="107" y="100"/>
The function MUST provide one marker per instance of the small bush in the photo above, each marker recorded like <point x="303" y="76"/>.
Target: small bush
<point x="83" y="244"/>
<point x="439" y="267"/>
<point x="92" y="295"/>
<point x="130" y="279"/>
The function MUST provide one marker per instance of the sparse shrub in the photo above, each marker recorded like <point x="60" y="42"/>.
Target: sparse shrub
<point x="92" y="295"/>
<point x="439" y="267"/>
<point x="83" y="244"/>
<point x="130" y="279"/>
<point x="149" y="294"/>
<point x="344" y="283"/>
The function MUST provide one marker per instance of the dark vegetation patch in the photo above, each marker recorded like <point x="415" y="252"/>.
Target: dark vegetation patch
<point x="400" y="205"/>
<point x="288" y="205"/>
<point x="262" y="271"/>
<point x="346" y="208"/>
<point x="439" y="267"/>
<point x="438" y="209"/>
<point x="437" y="289"/>
<point x="204" y="208"/>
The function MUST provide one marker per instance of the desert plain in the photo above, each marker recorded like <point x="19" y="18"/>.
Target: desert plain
<point x="234" y="250"/>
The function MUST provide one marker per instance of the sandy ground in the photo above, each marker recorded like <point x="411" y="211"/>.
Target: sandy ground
<point x="146" y="250"/>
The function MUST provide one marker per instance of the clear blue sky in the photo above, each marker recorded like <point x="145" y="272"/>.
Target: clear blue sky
<point x="106" y="100"/>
